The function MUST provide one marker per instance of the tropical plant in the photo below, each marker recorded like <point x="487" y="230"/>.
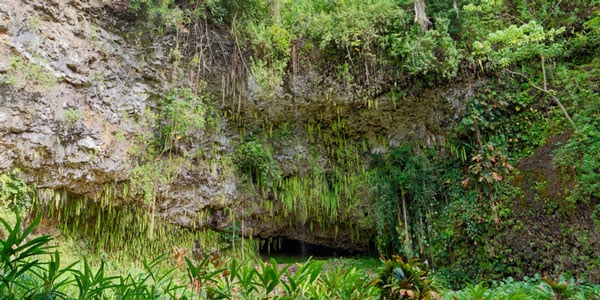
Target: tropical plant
<point x="410" y="279"/>
<point x="296" y="283"/>
<point x="54" y="279"/>
<point x="14" y="192"/>
<point x="269" y="276"/>
<point x="93" y="285"/>
<point x="406" y="188"/>
<point x="19" y="254"/>
<point x="256" y="161"/>
<point x="203" y="276"/>
<point x="348" y="284"/>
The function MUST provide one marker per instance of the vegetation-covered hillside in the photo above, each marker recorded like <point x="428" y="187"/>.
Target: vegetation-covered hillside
<point x="507" y="186"/>
<point x="512" y="190"/>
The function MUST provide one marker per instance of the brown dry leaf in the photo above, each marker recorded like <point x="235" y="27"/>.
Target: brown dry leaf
<point x="465" y="182"/>
<point x="496" y="176"/>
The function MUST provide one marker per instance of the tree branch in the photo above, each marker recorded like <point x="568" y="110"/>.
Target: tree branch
<point x="546" y="91"/>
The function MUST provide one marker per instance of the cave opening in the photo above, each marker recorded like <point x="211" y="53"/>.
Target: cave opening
<point x="284" y="247"/>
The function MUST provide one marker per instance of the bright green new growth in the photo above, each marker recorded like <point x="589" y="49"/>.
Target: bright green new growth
<point x="14" y="192"/>
<point x="516" y="44"/>
<point x="23" y="72"/>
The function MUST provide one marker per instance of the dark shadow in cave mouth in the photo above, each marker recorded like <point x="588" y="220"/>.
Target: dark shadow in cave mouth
<point x="288" y="248"/>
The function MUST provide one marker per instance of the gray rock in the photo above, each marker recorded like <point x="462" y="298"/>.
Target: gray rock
<point x="88" y="143"/>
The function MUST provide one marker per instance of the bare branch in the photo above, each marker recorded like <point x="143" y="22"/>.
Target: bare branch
<point x="547" y="92"/>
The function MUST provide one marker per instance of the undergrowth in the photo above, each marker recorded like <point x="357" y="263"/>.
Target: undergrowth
<point x="33" y="269"/>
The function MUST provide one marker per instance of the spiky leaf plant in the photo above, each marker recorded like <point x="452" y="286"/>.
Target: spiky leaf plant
<point x="558" y="288"/>
<point x="53" y="279"/>
<point x="93" y="285"/>
<point x="399" y="279"/>
<point x="18" y="253"/>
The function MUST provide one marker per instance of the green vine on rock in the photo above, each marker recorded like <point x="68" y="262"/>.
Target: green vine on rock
<point x="160" y="147"/>
<point x="14" y="192"/>
<point x="256" y="161"/>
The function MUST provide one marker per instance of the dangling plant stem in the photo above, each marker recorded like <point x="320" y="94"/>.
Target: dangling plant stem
<point x="152" y="215"/>
<point x="408" y="240"/>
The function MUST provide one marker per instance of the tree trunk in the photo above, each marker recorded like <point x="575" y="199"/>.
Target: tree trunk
<point x="478" y="135"/>
<point x="562" y="107"/>
<point x="407" y="238"/>
<point x="455" y="6"/>
<point x="420" y="15"/>
<point x="275" y="11"/>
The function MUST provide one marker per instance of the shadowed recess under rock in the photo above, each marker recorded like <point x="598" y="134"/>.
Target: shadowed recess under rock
<point x="294" y="248"/>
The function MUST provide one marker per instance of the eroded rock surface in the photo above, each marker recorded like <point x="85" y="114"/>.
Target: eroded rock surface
<point x="76" y="83"/>
<point x="77" y="77"/>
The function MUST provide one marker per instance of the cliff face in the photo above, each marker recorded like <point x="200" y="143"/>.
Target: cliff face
<point x="67" y="85"/>
<point x="76" y="80"/>
<point x="78" y="76"/>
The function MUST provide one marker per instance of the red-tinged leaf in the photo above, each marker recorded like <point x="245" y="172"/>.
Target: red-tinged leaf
<point x="496" y="176"/>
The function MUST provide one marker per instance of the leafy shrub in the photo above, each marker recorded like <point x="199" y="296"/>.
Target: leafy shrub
<point x="406" y="189"/>
<point x="353" y="27"/>
<point x="14" y="192"/>
<point x="399" y="279"/>
<point x="433" y="53"/>
<point x="516" y="44"/>
<point x="256" y="161"/>
<point x="181" y="117"/>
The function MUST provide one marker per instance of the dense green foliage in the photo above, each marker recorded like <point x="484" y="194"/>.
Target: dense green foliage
<point x="511" y="190"/>
<point x="31" y="270"/>
<point x="257" y="163"/>
<point x="407" y="188"/>
<point x="14" y="192"/>
<point x="523" y="157"/>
